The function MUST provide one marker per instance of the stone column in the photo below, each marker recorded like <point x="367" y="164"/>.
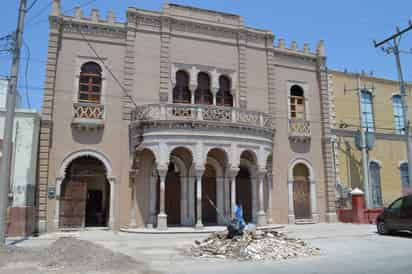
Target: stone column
<point x="153" y="198"/>
<point x="191" y="199"/>
<point x="192" y="90"/>
<point x="270" y="189"/>
<point x="112" y="182"/>
<point x="313" y="202"/>
<point x="291" y="211"/>
<point x="227" y="197"/>
<point x="233" y="174"/>
<point x="199" y="174"/>
<point x="162" y="217"/>
<point x="214" y="92"/>
<point x="133" y="209"/>
<point x="220" y="200"/>
<point x="183" y="201"/>
<point x="254" y="197"/>
<point x="261" y="216"/>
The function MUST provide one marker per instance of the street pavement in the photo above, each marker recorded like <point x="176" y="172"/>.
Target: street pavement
<point x="345" y="248"/>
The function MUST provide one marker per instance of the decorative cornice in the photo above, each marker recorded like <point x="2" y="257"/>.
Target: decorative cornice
<point x="198" y="125"/>
<point x="90" y="28"/>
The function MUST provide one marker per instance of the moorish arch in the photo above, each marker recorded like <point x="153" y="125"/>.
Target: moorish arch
<point x="246" y="185"/>
<point x="176" y="184"/>
<point x="302" y="191"/>
<point x="84" y="191"/>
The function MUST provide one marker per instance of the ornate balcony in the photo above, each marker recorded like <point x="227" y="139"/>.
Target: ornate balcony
<point x="88" y="116"/>
<point x="299" y="130"/>
<point x="190" y="116"/>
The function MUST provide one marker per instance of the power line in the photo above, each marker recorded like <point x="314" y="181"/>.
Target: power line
<point x="31" y="6"/>
<point x="87" y="3"/>
<point x="40" y="12"/>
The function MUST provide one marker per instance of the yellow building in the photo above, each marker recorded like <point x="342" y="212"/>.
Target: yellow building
<point x="383" y="120"/>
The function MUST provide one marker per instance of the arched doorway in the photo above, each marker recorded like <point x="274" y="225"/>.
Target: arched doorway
<point x="209" y="213"/>
<point x="176" y="187"/>
<point x="244" y="193"/>
<point x="85" y="194"/>
<point x="301" y="192"/>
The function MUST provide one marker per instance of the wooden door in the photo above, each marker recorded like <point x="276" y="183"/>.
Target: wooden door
<point x="73" y="204"/>
<point x="301" y="199"/>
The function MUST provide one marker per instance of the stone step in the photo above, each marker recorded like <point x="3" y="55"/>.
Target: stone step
<point x="304" y="221"/>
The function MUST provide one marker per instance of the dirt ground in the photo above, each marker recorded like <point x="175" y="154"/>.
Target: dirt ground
<point x="67" y="256"/>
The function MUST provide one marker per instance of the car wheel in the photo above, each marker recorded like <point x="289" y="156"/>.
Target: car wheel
<point x="382" y="229"/>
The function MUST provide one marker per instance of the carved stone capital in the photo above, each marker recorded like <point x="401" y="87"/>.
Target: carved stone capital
<point x="233" y="171"/>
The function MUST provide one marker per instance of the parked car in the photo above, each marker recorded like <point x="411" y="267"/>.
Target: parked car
<point x="396" y="217"/>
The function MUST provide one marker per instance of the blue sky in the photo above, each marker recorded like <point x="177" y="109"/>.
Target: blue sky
<point x="348" y="28"/>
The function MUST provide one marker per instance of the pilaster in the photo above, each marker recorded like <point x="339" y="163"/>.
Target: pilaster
<point x="165" y="59"/>
<point x="242" y="60"/>
<point x="129" y="68"/>
<point x="325" y="100"/>
<point x="46" y="125"/>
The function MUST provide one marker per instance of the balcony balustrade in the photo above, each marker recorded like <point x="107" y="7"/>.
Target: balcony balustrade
<point x="203" y="114"/>
<point x="299" y="130"/>
<point x="88" y="116"/>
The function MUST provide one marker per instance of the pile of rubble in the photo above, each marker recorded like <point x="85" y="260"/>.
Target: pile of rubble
<point x="254" y="245"/>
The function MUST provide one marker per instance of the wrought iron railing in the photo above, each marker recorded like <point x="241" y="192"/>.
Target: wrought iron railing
<point x="299" y="129"/>
<point x="208" y="113"/>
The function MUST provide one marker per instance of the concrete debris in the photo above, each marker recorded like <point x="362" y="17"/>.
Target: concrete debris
<point x="258" y="245"/>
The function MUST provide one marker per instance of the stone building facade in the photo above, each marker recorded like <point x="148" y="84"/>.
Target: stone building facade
<point x="384" y="121"/>
<point x="173" y="117"/>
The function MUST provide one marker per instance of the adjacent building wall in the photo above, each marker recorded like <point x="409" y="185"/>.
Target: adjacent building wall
<point x="389" y="149"/>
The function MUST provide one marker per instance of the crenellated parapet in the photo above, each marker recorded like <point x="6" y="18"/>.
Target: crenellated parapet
<point x="304" y="51"/>
<point x="93" y="24"/>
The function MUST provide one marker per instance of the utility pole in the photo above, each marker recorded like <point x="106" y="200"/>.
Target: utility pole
<point x="9" y="124"/>
<point x="363" y="145"/>
<point x="394" y="48"/>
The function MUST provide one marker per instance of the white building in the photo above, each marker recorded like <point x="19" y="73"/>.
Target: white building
<point x="23" y="171"/>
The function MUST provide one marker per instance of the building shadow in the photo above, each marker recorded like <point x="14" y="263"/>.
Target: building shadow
<point x="300" y="147"/>
<point x="87" y="137"/>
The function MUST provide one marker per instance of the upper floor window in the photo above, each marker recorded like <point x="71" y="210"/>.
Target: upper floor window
<point x="203" y="95"/>
<point x="399" y="119"/>
<point x="368" y="121"/>
<point x="181" y="92"/>
<point x="90" y="83"/>
<point x="223" y="96"/>
<point x="297" y="103"/>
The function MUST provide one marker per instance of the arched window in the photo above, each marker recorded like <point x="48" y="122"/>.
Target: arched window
<point x="405" y="176"/>
<point x="375" y="175"/>
<point x="223" y="96"/>
<point x="399" y="119"/>
<point x="181" y="92"/>
<point x="297" y="103"/>
<point x="368" y="121"/>
<point x="90" y="83"/>
<point x="203" y="95"/>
